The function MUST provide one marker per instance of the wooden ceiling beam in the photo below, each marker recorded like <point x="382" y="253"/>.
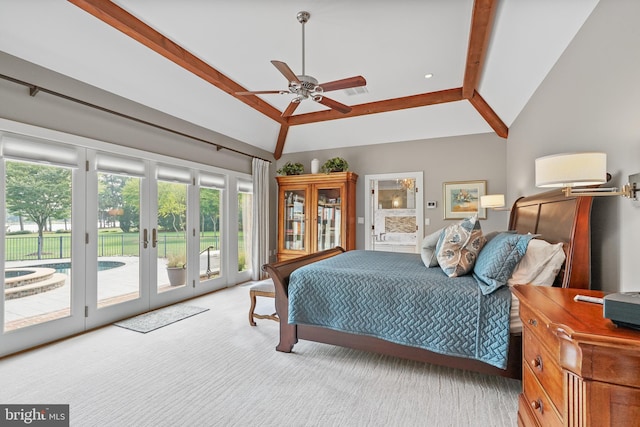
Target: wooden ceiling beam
<point x="413" y="101"/>
<point x="120" y="19"/>
<point x="481" y="27"/>
<point x="489" y="115"/>
<point x="282" y="137"/>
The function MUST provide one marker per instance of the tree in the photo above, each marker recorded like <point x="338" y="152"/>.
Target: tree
<point x="38" y="192"/>
<point x="130" y="217"/>
<point x="111" y="203"/>
<point x="172" y="205"/>
<point x="209" y="209"/>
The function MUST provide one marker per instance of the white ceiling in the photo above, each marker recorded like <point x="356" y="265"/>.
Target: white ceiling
<point x="391" y="44"/>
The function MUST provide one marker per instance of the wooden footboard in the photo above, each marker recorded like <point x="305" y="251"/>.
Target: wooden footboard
<point x="280" y="272"/>
<point x="289" y="334"/>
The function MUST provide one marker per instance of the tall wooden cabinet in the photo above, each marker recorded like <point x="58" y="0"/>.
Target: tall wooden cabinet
<point x="316" y="212"/>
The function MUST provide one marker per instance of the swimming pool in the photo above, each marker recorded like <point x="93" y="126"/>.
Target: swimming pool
<point x="65" y="267"/>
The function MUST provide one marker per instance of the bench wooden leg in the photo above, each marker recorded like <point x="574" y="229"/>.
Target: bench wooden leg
<point x="252" y="294"/>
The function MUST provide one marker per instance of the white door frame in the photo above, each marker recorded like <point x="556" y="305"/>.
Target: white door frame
<point x="371" y="183"/>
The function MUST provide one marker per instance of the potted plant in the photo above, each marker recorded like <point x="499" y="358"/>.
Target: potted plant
<point x="290" y="168"/>
<point x="337" y="164"/>
<point x="177" y="269"/>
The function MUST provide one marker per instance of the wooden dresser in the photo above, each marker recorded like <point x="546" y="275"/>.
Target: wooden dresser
<point x="578" y="368"/>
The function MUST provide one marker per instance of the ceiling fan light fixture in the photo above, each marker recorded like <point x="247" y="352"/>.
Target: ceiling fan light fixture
<point x="304" y="86"/>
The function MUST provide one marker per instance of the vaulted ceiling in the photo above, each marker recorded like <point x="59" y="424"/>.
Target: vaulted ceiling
<point x="189" y="58"/>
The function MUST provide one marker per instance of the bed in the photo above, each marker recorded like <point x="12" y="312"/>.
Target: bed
<point x="550" y="216"/>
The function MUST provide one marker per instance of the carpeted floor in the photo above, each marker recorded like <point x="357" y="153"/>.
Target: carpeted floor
<point x="214" y="369"/>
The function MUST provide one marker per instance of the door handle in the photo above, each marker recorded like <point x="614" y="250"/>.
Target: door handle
<point x="145" y="238"/>
<point x="154" y="238"/>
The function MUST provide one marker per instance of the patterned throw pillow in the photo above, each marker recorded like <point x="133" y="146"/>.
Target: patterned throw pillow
<point x="459" y="245"/>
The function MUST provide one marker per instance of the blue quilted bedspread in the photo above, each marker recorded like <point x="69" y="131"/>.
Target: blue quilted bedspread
<point x="393" y="296"/>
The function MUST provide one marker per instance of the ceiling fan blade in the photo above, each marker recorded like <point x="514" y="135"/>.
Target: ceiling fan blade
<point x="286" y="71"/>
<point x="335" y="105"/>
<point x="344" y="83"/>
<point x="291" y="108"/>
<point x="262" y="92"/>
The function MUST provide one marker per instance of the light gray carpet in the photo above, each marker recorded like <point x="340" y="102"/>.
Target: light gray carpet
<point x="214" y="369"/>
<point x="157" y="319"/>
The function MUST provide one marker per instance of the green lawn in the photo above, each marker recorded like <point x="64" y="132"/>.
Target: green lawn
<point x="110" y="243"/>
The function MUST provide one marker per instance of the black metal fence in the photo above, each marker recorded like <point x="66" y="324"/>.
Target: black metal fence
<point x="56" y="247"/>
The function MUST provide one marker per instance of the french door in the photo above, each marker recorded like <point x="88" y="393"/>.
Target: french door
<point x="97" y="234"/>
<point x="42" y="190"/>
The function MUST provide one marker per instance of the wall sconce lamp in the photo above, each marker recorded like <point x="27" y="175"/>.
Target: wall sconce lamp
<point x="571" y="170"/>
<point x="492" y="201"/>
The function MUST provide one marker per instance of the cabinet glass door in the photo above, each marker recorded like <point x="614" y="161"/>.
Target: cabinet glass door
<point x="329" y="218"/>
<point x="294" y="220"/>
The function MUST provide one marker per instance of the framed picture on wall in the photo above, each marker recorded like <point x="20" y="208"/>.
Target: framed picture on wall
<point x="462" y="199"/>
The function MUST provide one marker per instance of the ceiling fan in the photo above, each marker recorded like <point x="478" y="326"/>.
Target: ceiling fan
<point x="304" y="86"/>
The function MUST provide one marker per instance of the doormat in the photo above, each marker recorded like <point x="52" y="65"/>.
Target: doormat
<point x="156" y="319"/>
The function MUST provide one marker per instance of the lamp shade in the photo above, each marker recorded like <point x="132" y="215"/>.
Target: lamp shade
<point x="571" y="170"/>
<point x="492" y="201"/>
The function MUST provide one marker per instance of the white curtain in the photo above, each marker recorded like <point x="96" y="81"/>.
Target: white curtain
<point x="260" y="240"/>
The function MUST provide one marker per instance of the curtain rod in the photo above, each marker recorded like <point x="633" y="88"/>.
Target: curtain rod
<point x="34" y="89"/>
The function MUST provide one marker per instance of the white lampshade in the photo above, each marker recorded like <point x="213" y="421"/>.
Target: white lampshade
<point x="492" y="201"/>
<point x="571" y="170"/>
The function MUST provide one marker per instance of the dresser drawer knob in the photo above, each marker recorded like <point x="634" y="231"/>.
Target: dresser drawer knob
<point x="537" y="404"/>
<point x="537" y="362"/>
<point x="533" y="322"/>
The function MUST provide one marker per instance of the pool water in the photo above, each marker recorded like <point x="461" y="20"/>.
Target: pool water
<point x="65" y="267"/>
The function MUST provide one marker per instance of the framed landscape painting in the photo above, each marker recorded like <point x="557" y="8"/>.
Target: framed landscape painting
<point x="462" y="199"/>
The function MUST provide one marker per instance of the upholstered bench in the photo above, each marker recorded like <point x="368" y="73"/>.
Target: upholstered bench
<point x="265" y="289"/>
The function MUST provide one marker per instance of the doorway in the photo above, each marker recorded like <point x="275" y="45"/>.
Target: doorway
<point x="394" y="216"/>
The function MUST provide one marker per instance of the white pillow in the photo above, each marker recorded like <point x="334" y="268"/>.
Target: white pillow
<point x="428" y="252"/>
<point x="540" y="264"/>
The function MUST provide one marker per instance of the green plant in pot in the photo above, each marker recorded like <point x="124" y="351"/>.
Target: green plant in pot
<point x="291" y="168"/>
<point x="177" y="269"/>
<point x="337" y="164"/>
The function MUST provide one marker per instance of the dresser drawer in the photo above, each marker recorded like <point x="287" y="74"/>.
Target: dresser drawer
<point x="544" y="367"/>
<point x="539" y="329"/>
<point x="539" y="403"/>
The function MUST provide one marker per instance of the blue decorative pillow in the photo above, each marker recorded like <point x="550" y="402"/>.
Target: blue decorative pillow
<point x="498" y="259"/>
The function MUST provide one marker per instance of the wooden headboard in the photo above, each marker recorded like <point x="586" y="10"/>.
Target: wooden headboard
<point x="557" y="218"/>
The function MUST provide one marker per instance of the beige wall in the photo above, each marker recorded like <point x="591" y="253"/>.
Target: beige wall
<point x="475" y="157"/>
<point x="590" y="101"/>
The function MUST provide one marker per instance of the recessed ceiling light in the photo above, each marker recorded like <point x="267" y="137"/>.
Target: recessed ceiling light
<point x="428" y="75"/>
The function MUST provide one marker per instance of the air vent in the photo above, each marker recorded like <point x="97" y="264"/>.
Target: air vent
<point x="356" y="90"/>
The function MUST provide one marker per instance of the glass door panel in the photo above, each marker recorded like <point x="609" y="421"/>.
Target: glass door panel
<point x="245" y="223"/>
<point x="38" y="236"/>
<point x="210" y="233"/>
<point x="118" y="241"/>
<point x="170" y="237"/>
<point x="294" y="220"/>
<point x="329" y="218"/>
